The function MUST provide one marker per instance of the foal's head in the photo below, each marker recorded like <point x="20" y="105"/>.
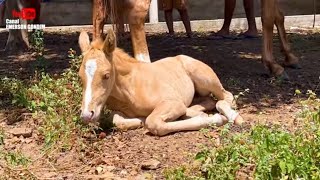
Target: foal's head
<point x="96" y="73"/>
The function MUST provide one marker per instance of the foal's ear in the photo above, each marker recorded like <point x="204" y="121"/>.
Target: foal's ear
<point x="109" y="43"/>
<point x="84" y="41"/>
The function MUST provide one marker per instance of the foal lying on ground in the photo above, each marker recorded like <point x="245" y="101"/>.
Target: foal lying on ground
<point x="153" y="95"/>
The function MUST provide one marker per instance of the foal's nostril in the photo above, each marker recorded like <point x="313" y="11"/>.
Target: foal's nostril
<point x="87" y="115"/>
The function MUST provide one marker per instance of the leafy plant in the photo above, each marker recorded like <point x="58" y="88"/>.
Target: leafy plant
<point x="16" y="159"/>
<point x="55" y="103"/>
<point x="37" y="43"/>
<point x="263" y="152"/>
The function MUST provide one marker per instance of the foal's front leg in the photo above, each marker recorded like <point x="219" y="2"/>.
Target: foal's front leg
<point x="123" y="123"/>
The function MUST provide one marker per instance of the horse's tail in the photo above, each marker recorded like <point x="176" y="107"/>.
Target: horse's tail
<point x="115" y="10"/>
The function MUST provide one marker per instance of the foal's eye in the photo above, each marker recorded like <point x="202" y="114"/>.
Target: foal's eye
<point x="106" y="76"/>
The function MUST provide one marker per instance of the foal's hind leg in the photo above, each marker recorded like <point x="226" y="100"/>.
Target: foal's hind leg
<point x="206" y="82"/>
<point x="159" y="122"/>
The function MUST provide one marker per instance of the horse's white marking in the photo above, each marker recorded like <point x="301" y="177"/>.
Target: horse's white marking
<point x="90" y="69"/>
<point x="143" y="57"/>
<point x="231" y="115"/>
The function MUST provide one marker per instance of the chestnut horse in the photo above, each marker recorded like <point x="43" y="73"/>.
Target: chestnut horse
<point x="154" y="95"/>
<point x="272" y="15"/>
<point x="136" y="10"/>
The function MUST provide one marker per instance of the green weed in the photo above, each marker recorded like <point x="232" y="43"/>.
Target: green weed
<point x="37" y="43"/>
<point x="263" y="152"/>
<point x="55" y="103"/>
<point x="16" y="159"/>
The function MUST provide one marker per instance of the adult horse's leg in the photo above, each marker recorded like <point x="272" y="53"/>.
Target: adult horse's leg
<point x="139" y="42"/>
<point x="291" y="60"/>
<point x="268" y="20"/>
<point x="98" y="17"/>
<point x="137" y="13"/>
<point x="18" y="38"/>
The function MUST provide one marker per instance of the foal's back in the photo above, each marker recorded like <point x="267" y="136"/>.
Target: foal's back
<point x="164" y="79"/>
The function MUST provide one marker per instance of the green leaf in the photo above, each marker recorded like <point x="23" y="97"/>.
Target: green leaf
<point x="282" y="166"/>
<point x="201" y="156"/>
<point x="297" y="91"/>
<point x="290" y="167"/>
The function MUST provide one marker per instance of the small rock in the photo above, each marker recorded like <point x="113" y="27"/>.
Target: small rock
<point x="145" y="176"/>
<point x="151" y="164"/>
<point x="133" y="173"/>
<point x="110" y="168"/>
<point x="102" y="135"/>
<point x="99" y="170"/>
<point x="25" y="132"/>
<point x="123" y="172"/>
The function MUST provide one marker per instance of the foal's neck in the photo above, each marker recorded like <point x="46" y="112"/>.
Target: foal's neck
<point x="123" y="62"/>
<point x="123" y="65"/>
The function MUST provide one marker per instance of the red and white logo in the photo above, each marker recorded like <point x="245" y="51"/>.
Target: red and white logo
<point x="25" y="13"/>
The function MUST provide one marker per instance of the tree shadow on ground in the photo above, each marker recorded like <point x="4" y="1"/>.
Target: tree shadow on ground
<point x="236" y="62"/>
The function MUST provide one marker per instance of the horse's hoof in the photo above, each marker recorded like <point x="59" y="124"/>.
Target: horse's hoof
<point x="294" y="66"/>
<point x="283" y="76"/>
<point x="239" y="120"/>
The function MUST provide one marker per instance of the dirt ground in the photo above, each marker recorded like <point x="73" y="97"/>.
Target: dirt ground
<point x="236" y="62"/>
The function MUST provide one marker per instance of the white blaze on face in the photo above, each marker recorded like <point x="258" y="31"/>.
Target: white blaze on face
<point x="90" y="69"/>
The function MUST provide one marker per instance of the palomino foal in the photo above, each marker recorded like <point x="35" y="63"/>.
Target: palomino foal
<point x="154" y="95"/>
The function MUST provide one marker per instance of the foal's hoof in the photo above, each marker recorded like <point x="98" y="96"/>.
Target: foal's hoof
<point x="283" y="77"/>
<point x="239" y="120"/>
<point x="293" y="66"/>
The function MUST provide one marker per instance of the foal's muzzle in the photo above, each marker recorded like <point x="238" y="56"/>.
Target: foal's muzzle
<point x="87" y="116"/>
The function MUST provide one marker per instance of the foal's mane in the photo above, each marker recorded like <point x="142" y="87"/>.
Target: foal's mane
<point x="118" y="54"/>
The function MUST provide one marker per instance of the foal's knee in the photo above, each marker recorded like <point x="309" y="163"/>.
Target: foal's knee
<point x="155" y="127"/>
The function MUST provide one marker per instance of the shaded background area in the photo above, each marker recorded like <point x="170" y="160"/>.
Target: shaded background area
<point x="79" y="12"/>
